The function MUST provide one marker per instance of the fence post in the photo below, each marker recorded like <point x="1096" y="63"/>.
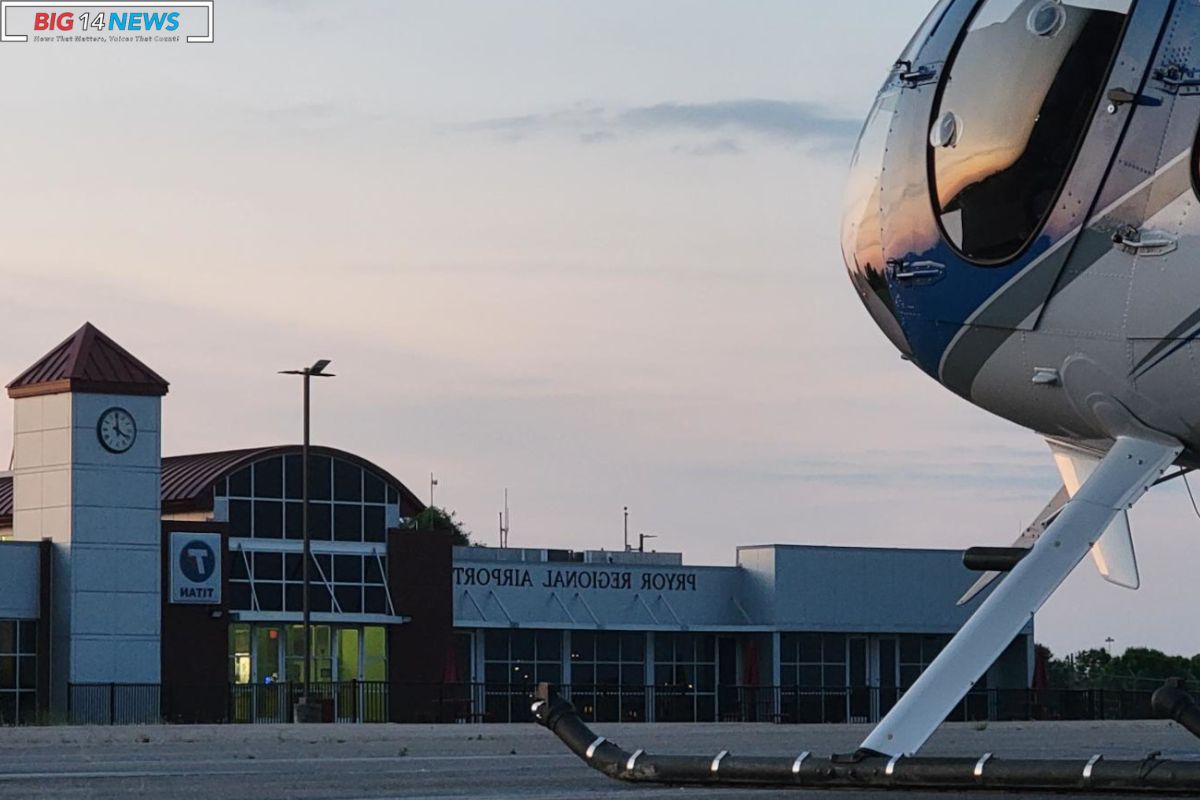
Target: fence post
<point x="112" y="704"/>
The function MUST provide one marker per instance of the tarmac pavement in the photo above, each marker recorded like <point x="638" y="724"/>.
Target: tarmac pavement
<point x="495" y="762"/>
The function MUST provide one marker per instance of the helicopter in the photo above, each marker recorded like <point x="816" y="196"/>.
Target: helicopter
<point x="1021" y="222"/>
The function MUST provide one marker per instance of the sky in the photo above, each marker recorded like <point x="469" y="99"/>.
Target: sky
<point x="585" y="251"/>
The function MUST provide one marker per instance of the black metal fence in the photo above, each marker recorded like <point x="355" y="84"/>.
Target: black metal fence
<point x="368" y="701"/>
<point x="114" y="703"/>
<point x="352" y="701"/>
<point x="869" y="704"/>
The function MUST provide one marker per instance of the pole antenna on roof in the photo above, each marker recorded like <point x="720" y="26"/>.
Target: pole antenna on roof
<point x="504" y="522"/>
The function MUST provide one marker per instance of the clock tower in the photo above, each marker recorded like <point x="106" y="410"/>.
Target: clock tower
<point x="87" y="466"/>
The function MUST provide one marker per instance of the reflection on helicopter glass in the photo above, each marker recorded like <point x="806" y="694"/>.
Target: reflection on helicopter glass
<point x="862" y="220"/>
<point x="1015" y="107"/>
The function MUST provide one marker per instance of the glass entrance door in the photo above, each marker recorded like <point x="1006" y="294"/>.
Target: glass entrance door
<point x="349" y="671"/>
<point x="270" y="697"/>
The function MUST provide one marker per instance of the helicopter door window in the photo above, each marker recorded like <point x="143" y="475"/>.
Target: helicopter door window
<point x="1014" y="108"/>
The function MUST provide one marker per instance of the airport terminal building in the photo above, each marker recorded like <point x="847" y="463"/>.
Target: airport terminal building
<point x="135" y="587"/>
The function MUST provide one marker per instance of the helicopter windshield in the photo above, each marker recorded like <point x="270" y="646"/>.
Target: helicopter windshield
<point x="1017" y="100"/>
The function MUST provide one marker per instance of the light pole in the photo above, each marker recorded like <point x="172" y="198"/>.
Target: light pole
<point x="305" y="710"/>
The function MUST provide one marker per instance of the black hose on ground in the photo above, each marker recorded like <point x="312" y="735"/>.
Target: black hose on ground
<point x="863" y="769"/>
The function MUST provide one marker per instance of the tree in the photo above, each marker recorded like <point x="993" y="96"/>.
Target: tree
<point x="1138" y="668"/>
<point x="439" y="519"/>
<point x="1060" y="672"/>
<point x="1146" y="666"/>
<point x="1092" y="666"/>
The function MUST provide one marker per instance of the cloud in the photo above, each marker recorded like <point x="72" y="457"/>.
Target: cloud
<point x="777" y="120"/>
<point x="579" y="120"/>
<point x="597" y="137"/>
<point x="995" y="470"/>
<point x="717" y="147"/>
<point x="788" y="120"/>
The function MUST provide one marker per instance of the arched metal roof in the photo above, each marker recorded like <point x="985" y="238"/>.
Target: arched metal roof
<point x="187" y="480"/>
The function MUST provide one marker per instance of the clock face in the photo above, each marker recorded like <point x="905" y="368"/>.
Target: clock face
<point x="117" y="430"/>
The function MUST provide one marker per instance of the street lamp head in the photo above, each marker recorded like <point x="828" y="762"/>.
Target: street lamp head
<point x="317" y="370"/>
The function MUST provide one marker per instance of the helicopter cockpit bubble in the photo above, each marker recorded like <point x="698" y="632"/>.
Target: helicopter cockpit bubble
<point x="1014" y="109"/>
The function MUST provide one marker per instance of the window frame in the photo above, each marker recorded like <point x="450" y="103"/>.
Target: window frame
<point x="323" y="512"/>
<point x="24" y="689"/>
<point x="507" y="700"/>
<point x="629" y="696"/>
<point x="935" y="113"/>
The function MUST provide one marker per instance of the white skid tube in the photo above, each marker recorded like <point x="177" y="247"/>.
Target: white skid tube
<point x="1122" y="476"/>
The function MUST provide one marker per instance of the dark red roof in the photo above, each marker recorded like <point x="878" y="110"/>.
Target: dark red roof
<point x="88" y="361"/>
<point x="187" y="480"/>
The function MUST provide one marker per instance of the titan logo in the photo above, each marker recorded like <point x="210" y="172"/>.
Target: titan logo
<point x="199" y="557"/>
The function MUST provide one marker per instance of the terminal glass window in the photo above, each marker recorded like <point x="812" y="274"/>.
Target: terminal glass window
<point x="346" y="502"/>
<point x="349" y="671"/>
<point x="18" y="672"/>
<point x="812" y="669"/>
<point x="320" y="649"/>
<point x="274" y="653"/>
<point x="917" y="653"/>
<point x="347" y="583"/>
<point x="514" y="662"/>
<point x="241" y="657"/>
<point x="608" y="675"/>
<point x="685" y="677"/>
<point x="374" y="650"/>
<point x="1017" y="100"/>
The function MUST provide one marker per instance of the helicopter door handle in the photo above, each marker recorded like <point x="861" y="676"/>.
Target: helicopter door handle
<point x="918" y="76"/>
<point x="1120" y="97"/>
<point x="915" y="76"/>
<point x="1129" y="239"/>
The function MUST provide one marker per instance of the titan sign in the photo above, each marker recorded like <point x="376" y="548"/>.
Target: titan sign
<point x="576" y="579"/>
<point x="195" y="568"/>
